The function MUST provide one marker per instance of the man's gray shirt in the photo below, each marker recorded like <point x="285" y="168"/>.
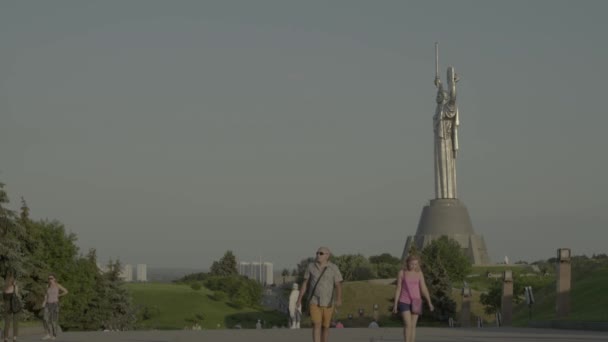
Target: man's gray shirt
<point x="324" y="291"/>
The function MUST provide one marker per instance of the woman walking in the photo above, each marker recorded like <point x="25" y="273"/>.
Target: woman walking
<point x="50" y="304"/>
<point x="408" y="296"/>
<point x="12" y="306"/>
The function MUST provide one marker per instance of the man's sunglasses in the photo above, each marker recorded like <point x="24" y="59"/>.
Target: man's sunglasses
<point x="320" y="253"/>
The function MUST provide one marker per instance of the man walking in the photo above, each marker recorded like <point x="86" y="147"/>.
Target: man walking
<point x="325" y="282"/>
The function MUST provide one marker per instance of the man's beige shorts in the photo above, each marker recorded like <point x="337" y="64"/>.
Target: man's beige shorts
<point x="321" y="315"/>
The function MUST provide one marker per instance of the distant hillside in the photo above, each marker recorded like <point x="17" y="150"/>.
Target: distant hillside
<point x="169" y="274"/>
<point x="175" y="306"/>
<point x="589" y="301"/>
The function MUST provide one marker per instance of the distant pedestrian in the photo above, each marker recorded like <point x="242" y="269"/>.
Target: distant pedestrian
<point x="325" y="282"/>
<point x="50" y="304"/>
<point x="295" y="312"/>
<point x="12" y="306"/>
<point x="258" y="325"/>
<point x="408" y="296"/>
<point x="339" y="325"/>
<point x="373" y="324"/>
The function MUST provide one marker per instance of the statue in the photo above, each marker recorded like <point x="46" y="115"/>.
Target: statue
<point x="445" y="127"/>
<point x="446" y="214"/>
<point x="295" y="313"/>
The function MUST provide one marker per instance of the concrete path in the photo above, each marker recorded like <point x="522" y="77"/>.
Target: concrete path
<point x="336" y="335"/>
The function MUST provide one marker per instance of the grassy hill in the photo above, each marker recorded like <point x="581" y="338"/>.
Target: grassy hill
<point x="173" y="306"/>
<point x="364" y="294"/>
<point x="589" y="300"/>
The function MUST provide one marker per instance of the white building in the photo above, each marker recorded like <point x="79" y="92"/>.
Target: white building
<point x="142" y="272"/>
<point x="126" y="273"/>
<point x="260" y="272"/>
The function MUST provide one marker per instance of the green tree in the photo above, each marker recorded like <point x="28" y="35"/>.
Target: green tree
<point x="240" y="290"/>
<point x="449" y="254"/>
<point x="35" y="248"/>
<point x="199" y="276"/>
<point x="384" y="258"/>
<point x="226" y="266"/>
<point x="354" y="267"/>
<point x="11" y="253"/>
<point x="491" y="300"/>
<point x="285" y="274"/>
<point x="443" y="263"/>
<point x="385" y="265"/>
<point x="413" y="250"/>
<point x="301" y="268"/>
<point x="440" y="290"/>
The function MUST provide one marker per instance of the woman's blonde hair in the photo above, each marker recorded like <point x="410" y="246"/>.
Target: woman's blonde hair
<point x="411" y="258"/>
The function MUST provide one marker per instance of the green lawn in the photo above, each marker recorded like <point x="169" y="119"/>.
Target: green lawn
<point x="364" y="294"/>
<point x="589" y="301"/>
<point x="174" y="306"/>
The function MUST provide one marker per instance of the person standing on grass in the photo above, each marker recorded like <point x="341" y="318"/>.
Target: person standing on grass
<point x="11" y="299"/>
<point x="325" y="282"/>
<point x="408" y="296"/>
<point x="50" y="304"/>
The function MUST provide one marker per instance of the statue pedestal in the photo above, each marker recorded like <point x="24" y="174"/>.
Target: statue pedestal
<point x="451" y="218"/>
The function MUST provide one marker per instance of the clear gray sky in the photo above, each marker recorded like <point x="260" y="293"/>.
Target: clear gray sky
<point x="167" y="132"/>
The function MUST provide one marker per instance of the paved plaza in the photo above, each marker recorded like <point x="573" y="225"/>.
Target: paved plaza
<point x="337" y="335"/>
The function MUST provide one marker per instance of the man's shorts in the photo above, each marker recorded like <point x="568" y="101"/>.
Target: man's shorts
<point x="321" y="315"/>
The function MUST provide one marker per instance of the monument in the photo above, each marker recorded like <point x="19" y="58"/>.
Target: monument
<point x="446" y="214"/>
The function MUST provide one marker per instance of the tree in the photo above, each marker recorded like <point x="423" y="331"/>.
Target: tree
<point x="285" y="274"/>
<point x="491" y="300"/>
<point x="443" y="263"/>
<point x="33" y="249"/>
<point x="301" y="268"/>
<point x="354" y="267"/>
<point x="413" y="250"/>
<point x="449" y="254"/>
<point x="240" y="290"/>
<point x="123" y="315"/>
<point x="225" y="266"/>
<point x="440" y="289"/>
<point x="11" y="254"/>
<point x="384" y="258"/>
<point x="385" y="265"/>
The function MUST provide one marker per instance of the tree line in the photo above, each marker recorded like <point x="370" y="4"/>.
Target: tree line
<point x="32" y="249"/>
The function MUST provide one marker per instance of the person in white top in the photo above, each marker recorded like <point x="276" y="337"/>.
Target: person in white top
<point x="295" y="312"/>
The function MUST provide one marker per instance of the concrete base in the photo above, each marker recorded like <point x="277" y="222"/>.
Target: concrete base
<point x="448" y="217"/>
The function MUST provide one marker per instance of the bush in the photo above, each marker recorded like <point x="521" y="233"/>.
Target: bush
<point x="241" y="290"/>
<point x="148" y="312"/>
<point x="196" y="286"/>
<point x="220" y="296"/>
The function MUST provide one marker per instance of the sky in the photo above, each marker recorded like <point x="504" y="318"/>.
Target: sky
<point x="167" y="133"/>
